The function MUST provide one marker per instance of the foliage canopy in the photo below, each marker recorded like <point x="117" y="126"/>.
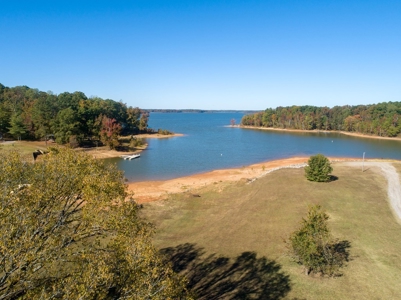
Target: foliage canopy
<point x="68" y="232"/>
<point x="318" y="168"/>
<point x="32" y="114"/>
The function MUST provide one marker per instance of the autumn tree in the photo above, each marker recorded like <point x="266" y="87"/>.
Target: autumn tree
<point x="318" y="168"/>
<point x="313" y="247"/>
<point x="110" y="130"/>
<point x="68" y="232"/>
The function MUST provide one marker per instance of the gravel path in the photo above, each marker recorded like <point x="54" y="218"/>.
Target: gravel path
<point x="394" y="186"/>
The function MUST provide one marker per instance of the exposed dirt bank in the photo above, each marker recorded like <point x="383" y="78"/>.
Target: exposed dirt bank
<point x="158" y="136"/>
<point x="147" y="191"/>
<point x="104" y="152"/>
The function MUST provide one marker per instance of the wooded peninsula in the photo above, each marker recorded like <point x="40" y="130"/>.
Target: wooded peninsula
<point x="382" y="119"/>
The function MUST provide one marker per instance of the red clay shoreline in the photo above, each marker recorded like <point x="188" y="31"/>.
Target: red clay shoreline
<point x="147" y="191"/>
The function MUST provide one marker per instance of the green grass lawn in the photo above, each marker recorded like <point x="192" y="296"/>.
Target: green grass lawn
<point x="230" y="241"/>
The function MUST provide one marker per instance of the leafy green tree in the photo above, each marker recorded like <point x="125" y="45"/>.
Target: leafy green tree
<point x="318" y="168"/>
<point x="68" y="100"/>
<point x="88" y="114"/>
<point x="4" y="119"/>
<point x="143" y="121"/>
<point x="65" y="125"/>
<point x="68" y="231"/>
<point x="44" y="112"/>
<point x="17" y="127"/>
<point x="313" y="247"/>
<point x="132" y="121"/>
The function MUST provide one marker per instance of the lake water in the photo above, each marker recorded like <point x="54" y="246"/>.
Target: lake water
<point x="209" y="144"/>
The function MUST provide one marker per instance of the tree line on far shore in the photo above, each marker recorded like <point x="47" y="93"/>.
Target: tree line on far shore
<point x="27" y="113"/>
<point x="382" y="119"/>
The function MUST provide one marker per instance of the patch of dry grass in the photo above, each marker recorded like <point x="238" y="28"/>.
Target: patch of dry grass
<point x="25" y="147"/>
<point x="232" y="218"/>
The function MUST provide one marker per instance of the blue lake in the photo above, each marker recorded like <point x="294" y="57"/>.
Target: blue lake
<point x="208" y="144"/>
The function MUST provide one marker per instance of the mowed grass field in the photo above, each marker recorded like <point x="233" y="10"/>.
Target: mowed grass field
<point x="230" y="240"/>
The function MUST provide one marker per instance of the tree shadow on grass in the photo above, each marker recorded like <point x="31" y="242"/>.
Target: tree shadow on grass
<point x="342" y="248"/>
<point x="333" y="178"/>
<point x="218" y="277"/>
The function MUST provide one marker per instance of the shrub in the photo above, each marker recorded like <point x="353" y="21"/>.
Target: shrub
<point x="164" y="132"/>
<point x="318" y="168"/>
<point x="136" y="142"/>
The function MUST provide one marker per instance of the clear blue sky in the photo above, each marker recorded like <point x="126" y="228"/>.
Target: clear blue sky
<point x="206" y="54"/>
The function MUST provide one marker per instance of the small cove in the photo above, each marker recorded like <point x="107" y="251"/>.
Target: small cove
<point x="208" y="144"/>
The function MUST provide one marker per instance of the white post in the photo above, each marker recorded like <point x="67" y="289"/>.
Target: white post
<point x="363" y="160"/>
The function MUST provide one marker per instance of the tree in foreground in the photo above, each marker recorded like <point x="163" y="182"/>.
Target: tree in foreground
<point x="68" y="232"/>
<point x="318" y="168"/>
<point x="313" y="247"/>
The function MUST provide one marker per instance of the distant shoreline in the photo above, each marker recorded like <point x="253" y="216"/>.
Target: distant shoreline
<point x="317" y="131"/>
<point x="199" y="111"/>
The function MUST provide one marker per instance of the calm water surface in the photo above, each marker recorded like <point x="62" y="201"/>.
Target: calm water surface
<point x="208" y="145"/>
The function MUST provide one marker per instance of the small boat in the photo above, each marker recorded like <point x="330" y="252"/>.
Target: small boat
<point x="130" y="157"/>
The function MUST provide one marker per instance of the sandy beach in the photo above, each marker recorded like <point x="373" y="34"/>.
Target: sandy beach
<point x="158" y="136"/>
<point x="105" y="152"/>
<point x="147" y="191"/>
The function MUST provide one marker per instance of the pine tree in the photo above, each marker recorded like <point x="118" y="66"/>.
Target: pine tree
<point x="318" y="168"/>
<point x="17" y="127"/>
<point x="313" y="247"/>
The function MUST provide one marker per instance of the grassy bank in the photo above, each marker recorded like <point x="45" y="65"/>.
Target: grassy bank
<point x="229" y="240"/>
<point x="27" y="147"/>
<point x="24" y="147"/>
